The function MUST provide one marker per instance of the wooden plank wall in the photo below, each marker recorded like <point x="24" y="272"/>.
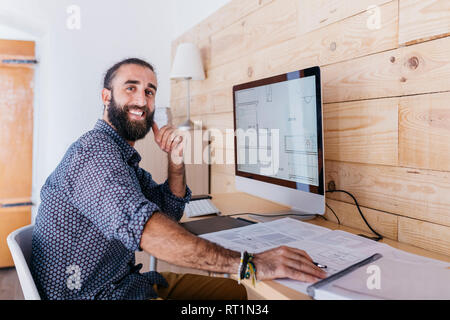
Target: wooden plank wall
<point x="386" y="92"/>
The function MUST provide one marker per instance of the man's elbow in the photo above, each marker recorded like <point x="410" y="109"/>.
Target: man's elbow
<point x="157" y="232"/>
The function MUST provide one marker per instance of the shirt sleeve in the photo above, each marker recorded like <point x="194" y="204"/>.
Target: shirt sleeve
<point x="161" y="195"/>
<point x="105" y="191"/>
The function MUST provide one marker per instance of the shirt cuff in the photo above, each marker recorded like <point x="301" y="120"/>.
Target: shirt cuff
<point x="169" y="193"/>
<point x="141" y="220"/>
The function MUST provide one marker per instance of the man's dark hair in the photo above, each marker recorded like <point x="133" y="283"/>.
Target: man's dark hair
<point x="111" y="73"/>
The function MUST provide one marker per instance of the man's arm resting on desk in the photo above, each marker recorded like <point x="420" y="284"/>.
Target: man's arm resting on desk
<point x="165" y="239"/>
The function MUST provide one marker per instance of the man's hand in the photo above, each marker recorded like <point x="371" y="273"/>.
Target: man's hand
<point x="287" y="262"/>
<point x="170" y="140"/>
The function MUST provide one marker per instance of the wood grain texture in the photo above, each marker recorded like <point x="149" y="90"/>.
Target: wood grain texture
<point x="231" y="12"/>
<point x="419" y="194"/>
<point x="425" y="67"/>
<point x="422" y="20"/>
<point x="315" y="14"/>
<point x="362" y="131"/>
<point x="373" y="76"/>
<point x="345" y="40"/>
<point x="425" y="235"/>
<point x="385" y="92"/>
<point x="216" y="101"/>
<point x="255" y="31"/>
<point x="384" y="223"/>
<point x="223" y="183"/>
<point x="421" y="68"/>
<point x="424" y="131"/>
<point x="16" y="132"/>
<point x="17" y="49"/>
<point x="11" y="219"/>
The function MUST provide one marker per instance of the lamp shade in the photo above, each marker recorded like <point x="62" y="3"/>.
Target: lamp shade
<point x="187" y="63"/>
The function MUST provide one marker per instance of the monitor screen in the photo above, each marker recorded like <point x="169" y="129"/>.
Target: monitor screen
<point x="278" y="130"/>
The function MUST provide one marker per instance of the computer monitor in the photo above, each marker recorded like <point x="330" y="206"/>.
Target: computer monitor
<point x="278" y="140"/>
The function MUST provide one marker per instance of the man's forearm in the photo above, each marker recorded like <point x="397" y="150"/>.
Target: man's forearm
<point x="177" y="179"/>
<point x="165" y="239"/>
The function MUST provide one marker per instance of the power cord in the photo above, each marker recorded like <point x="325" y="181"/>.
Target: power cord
<point x="379" y="236"/>
<point x="339" y="221"/>
<point x="331" y="186"/>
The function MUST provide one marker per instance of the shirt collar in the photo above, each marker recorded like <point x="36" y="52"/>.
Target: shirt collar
<point x="129" y="153"/>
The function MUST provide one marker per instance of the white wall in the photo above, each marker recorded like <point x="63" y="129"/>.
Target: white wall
<point x="188" y="13"/>
<point x="72" y="63"/>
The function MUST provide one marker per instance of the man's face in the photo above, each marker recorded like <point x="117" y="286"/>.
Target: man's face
<point x="132" y="101"/>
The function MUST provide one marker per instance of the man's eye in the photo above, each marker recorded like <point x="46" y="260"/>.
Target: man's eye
<point x="149" y="92"/>
<point x="130" y="88"/>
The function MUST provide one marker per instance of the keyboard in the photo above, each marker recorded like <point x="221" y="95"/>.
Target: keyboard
<point x="198" y="208"/>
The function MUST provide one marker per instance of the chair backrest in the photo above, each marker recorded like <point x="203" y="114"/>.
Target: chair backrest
<point x="19" y="243"/>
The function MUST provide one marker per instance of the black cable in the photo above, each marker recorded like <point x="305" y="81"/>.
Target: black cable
<point x="379" y="236"/>
<point x="339" y="222"/>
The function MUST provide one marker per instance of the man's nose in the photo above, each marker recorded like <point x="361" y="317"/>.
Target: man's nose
<point x="140" y="99"/>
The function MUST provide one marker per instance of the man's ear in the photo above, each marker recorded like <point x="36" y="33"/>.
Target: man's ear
<point x="106" y="97"/>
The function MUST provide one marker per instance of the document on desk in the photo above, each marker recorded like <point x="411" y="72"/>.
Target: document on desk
<point x="397" y="280"/>
<point x="334" y="248"/>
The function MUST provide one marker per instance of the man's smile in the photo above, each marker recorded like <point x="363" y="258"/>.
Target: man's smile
<point x="136" y="114"/>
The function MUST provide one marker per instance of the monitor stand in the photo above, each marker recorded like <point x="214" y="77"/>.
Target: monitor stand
<point x="294" y="214"/>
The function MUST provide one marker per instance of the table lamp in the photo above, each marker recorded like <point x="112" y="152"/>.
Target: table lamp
<point x="188" y="66"/>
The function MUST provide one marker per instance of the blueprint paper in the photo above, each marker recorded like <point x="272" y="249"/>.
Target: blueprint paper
<point x="334" y="248"/>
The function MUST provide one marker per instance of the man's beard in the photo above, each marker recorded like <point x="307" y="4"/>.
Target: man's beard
<point x="130" y="130"/>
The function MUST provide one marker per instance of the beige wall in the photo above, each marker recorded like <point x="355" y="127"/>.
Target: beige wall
<point x="386" y="92"/>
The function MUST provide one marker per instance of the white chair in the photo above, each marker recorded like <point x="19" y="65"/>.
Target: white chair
<point x="19" y="243"/>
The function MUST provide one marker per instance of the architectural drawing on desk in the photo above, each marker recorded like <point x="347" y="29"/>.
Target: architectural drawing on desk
<point x="336" y="249"/>
<point x="255" y="238"/>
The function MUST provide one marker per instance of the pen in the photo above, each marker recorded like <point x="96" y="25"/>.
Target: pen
<point x="320" y="265"/>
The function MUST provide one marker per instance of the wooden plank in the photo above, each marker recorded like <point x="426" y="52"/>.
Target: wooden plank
<point x="257" y="30"/>
<point x="341" y="41"/>
<point x="422" y="68"/>
<point x="11" y="219"/>
<point x="217" y="101"/>
<point x="422" y="20"/>
<point x="368" y="77"/>
<point x="19" y="48"/>
<point x="425" y="67"/>
<point x="384" y="223"/>
<point x="316" y="14"/>
<point x="424" y="130"/>
<point x="222" y="183"/>
<point x="223" y="168"/>
<point x="425" y="235"/>
<point x="414" y="193"/>
<point x="231" y="12"/>
<point x="16" y="131"/>
<point x="362" y="131"/>
<point x="334" y="43"/>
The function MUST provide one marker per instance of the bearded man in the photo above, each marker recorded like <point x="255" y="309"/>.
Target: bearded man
<point x="99" y="207"/>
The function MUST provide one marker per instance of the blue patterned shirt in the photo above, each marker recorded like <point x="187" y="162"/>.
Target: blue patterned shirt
<point x="93" y="211"/>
